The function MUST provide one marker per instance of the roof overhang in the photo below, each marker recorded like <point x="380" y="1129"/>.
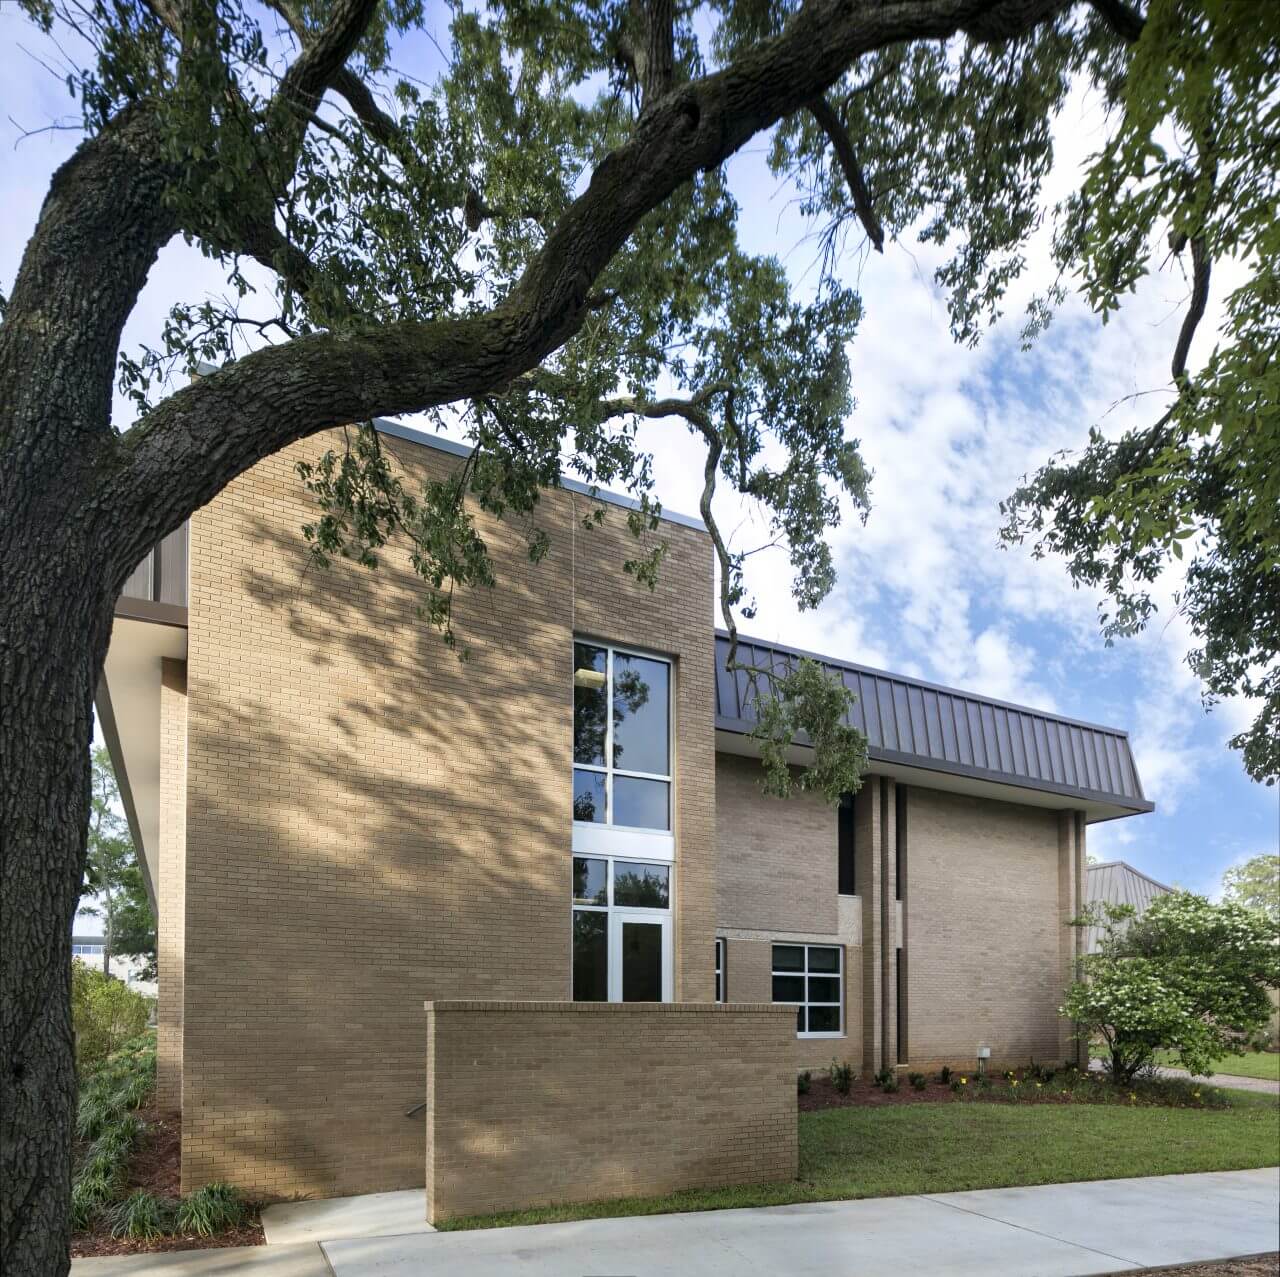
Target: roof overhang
<point x="732" y="737"/>
<point x="128" y="702"/>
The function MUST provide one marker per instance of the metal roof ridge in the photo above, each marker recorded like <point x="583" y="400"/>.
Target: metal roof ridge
<point x="1124" y="864"/>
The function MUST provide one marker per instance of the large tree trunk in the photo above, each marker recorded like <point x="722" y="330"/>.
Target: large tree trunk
<point x="50" y="659"/>
<point x="64" y="554"/>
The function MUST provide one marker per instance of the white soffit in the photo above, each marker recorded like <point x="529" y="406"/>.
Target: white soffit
<point x="132" y="682"/>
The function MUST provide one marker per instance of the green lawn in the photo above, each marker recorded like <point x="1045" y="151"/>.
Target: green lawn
<point x="1261" y="1064"/>
<point x="933" y="1148"/>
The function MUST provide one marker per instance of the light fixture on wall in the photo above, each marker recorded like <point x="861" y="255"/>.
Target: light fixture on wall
<point x="594" y="679"/>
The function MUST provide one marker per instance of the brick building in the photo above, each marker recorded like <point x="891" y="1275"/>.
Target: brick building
<point x="340" y="820"/>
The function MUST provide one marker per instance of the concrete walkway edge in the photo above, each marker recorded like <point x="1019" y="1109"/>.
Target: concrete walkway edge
<point x="1052" y="1230"/>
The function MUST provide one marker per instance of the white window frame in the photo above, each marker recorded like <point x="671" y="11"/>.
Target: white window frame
<point x="722" y="984"/>
<point x="617" y="915"/>
<point x="627" y="842"/>
<point x="804" y="975"/>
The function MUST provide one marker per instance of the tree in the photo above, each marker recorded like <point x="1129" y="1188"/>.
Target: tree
<point x="1201" y="484"/>
<point x="1256" y="885"/>
<point x="1187" y="976"/>
<point x="112" y="875"/>
<point x="539" y="246"/>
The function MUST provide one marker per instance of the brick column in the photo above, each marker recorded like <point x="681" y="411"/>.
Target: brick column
<point x="888" y="925"/>
<point x="1071" y="861"/>
<point x="171" y="886"/>
<point x="869" y="874"/>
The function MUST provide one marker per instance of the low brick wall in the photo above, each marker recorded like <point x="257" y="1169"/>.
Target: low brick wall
<point x="535" y="1103"/>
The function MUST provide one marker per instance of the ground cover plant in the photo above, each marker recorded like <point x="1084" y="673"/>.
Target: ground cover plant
<point x="124" y="1188"/>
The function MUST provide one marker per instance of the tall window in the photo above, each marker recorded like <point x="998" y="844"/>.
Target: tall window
<point x="720" y="982"/>
<point x="621" y="738"/>
<point x="621" y="930"/>
<point x="811" y="977"/>
<point x="848" y="882"/>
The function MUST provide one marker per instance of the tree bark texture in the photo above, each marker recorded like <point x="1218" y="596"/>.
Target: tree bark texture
<point x="61" y="566"/>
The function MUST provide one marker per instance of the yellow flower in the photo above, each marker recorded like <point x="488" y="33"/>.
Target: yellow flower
<point x="1133" y="1099"/>
<point x="964" y="1081"/>
<point x="1038" y="1086"/>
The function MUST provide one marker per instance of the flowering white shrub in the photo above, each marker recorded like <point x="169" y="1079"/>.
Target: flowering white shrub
<point x="1188" y="976"/>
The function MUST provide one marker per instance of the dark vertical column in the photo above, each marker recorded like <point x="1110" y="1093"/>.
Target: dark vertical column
<point x="902" y="983"/>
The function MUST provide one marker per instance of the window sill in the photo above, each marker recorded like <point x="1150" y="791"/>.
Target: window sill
<point x="819" y="1035"/>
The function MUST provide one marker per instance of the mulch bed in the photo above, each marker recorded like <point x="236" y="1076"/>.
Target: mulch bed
<point x="864" y="1093"/>
<point x="156" y="1167"/>
<point x="1258" y="1266"/>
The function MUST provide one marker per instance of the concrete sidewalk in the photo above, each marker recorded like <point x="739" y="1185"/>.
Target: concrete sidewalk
<point x="1056" y="1230"/>
<point x="1226" y="1081"/>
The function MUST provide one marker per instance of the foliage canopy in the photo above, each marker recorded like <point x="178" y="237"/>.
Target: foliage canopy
<point x="1187" y="976"/>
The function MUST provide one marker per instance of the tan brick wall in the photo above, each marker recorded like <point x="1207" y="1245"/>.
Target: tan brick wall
<point x="372" y="823"/>
<point x="171" y="884"/>
<point x="750" y="979"/>
<point x="985" y="922"/>
<point x="782" y="854"/>
<point x="533" y="1104"/>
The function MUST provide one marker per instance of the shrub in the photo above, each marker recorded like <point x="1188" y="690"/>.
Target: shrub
<point x="890" y="1085"/>
<point x="1188" y="976"/>
<point x="803" y="1082"/>
<point x="918" y="1081"/>
<point x="122" y="1082"/>
<point x="211" y="1209"/>
<point x="883" y="1077"/>
<point x="105" y="1014"/>
<point x="842" y="1076"/>
<point x="1041" y="1073"/>
<point x="141" y="1216"/>
<point x="944" y="1076"/>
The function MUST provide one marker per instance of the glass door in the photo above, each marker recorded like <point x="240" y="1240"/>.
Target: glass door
<point x="640" y="966"/>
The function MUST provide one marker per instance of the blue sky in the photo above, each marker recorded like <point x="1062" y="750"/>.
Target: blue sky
<point x="923" y="587"/>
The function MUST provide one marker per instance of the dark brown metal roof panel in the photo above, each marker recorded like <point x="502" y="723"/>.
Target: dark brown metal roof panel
<point x="924" y="725"/>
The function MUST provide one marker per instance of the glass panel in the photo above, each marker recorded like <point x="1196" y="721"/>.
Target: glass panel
<point x="824" y="959"/>
<point x="788" y="988"/>
<point x="590" y="703"/>
<point x="646" y="886"/>
<point x="640" y="701"/>
<point x="588" y="796"/>
<point x="590" y="881"/>
<point x="824" y="1019"/>
<point x="642" y="803"/>
<point x="788" y="957"/>
<point x="641" y="962"/>
<point x="824" y="988"/>
<point x="590" y="956"/>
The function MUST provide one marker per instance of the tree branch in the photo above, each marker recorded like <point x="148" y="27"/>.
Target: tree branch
<point x="1200" y="266"/>
<point x="189" y="447"/>
<point x="829" y="121"/>
<point x="1127" y="23"/>
<point x="660" y="49"/>
<point x="325" y="53"/>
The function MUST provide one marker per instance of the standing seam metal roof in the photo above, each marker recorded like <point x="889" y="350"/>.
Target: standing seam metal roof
<point x="925" y="725"/>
